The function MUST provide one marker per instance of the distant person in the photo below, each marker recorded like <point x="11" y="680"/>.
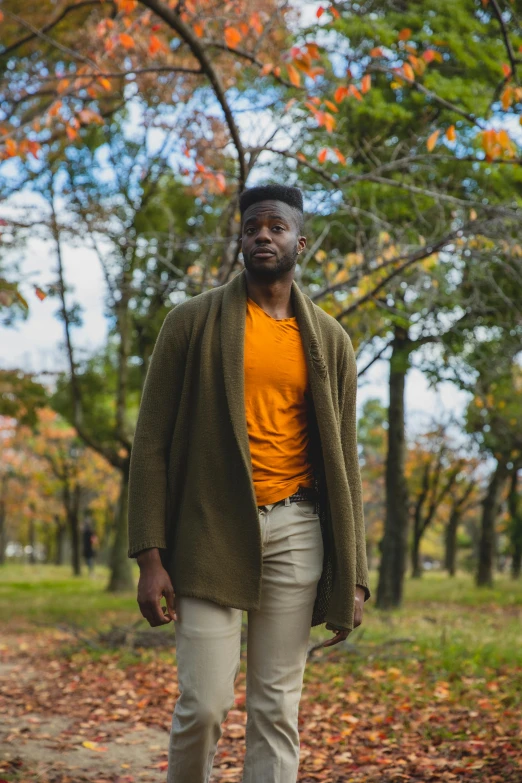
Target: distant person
<point x="245" y="494"/>
<point x="90" y="541"/>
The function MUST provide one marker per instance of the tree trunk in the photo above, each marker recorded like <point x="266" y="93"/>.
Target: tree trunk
<point x="416" y="566"/>
<point x="3" y="536"/>
<point x="121" y="572"/>
<point x="450" y="542"/>
<point x="515" y="525"/>
<point x="74" y="528"/>
<point x="58" y="540"/>
<point x="395" y="538"/>
<point x="32" y="540"/>
<point x="486" y="554"/>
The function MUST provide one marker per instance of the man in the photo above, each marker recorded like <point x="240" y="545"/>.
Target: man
<point x="245" y="494"/>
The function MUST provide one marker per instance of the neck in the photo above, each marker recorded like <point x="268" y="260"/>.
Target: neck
<point x="274" y="297"/>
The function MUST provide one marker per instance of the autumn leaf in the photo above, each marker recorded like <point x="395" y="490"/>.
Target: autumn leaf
<point x="366" y="83"/>
<point x="506" y="98"/>
<point x="331" y="106"/>
<point x="293" y="75"/>
<point x="352" y="89"/>
<point x="432" y="140"/>
<point x="40" y="294"/>
<point x="232" y="37"/>
<point x="340" y="157"/>
<point x="71" y="133"/>
<point x="126" y="6"/>
<point x="450" y="133"/>
<point x="301" y="157"/>
<point x="221" y="182"/>
<point x="321" y="157"/>
<point x="404" y="34"/>
<point x="376" y="52"/>
<point x="11" y="147"/>
<point x="105" y="83"/>
<point x="1" y="16"/>
<point x="155" y="45"/>
<point x="408" y="72"/>
<point x="266" y="69"/>
<point x="319" y="12"/>
<point x="506" y="70"/>
<point x="334" y="12"/>
<point x="329" y="122"/>
<point x="340" y="93"/>
<point x="126" y="40"/>
<point x="255" y="23"/>
<point x="93" y="746"/>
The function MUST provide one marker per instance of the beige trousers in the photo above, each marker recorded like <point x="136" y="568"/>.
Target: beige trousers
<point x="208" y="649"/>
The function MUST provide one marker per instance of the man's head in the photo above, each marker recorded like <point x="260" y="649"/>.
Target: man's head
<point x="271" y="230"/>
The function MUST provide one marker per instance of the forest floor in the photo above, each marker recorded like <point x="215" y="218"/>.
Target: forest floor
<point x="428" y="693"/>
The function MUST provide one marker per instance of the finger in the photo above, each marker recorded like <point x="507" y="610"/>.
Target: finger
<point x="155" y="615"/>
<point x="169" y="598"/>
<point x="337" y="638"/>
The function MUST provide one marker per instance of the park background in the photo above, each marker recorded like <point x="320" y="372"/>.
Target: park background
<point x="127" y="130"/>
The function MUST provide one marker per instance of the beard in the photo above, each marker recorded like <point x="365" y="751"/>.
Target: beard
<point x="273" y="270"/>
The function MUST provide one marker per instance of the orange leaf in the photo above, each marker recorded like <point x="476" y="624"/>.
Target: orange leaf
<point x="408" y="72"/>
<point x="232" y="37"/>
<point x="313" y="51"/>
<point x="506" y="70"/>
<point x="506" y="98"/>
<point x="71" y="133"/>
<point x="198" y="29"/>
<point x="11" y="147"/>
<point x="334" y="12"/>
<point x="340" y="93"/>
<point x="428" y="55"/>
<point x="376" y="52"/>
<point x="155" y="45"/>
<point x="105" y="83"/>
<point x="1" y="17"/>
<point x="39" y="293"/>
<point x="450" y="133"/>
<point x="432" y="140"/>
<point x="255" y="23"/>
<point x="322" y="155"/>
<point x="355" y="92"/>
<point x="301" y="157"/>
<point x="126" y="40"/>
<point x="126" y="6"/>
<point x="293" y="75"/>
<point x="266" y="69"/>
<point x="33" y="148"/>
<point x="329" y="122"/>
<point x="319" y="12"/>
<point x="341" y="158"/>
<point x="404" y="34"/>
<point x="366" y="83"/>
<point x="221" y="182"/>
<point x="331" y="106"/>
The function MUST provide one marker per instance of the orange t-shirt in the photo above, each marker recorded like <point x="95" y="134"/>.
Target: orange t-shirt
<point x="276" y="403"/>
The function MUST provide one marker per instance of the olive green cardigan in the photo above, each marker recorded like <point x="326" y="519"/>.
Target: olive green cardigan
<point x="191" y="491"/>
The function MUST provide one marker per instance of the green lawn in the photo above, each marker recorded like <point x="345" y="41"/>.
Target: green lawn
<point x="447" y="623"/>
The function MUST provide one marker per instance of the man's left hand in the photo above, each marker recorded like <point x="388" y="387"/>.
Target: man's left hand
<point x="340" y="636"/>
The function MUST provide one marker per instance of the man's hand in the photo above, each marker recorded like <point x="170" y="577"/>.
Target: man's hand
<point x="340" y="636"/>
<point x="153" y="584"/>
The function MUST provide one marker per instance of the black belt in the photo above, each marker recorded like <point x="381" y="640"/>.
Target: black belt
<point x="303" y="493"/>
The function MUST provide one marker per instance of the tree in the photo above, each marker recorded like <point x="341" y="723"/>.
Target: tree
<point x="515" y="523"/>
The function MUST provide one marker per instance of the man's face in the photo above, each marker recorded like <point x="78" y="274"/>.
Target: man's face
<point x="270" y="239"/>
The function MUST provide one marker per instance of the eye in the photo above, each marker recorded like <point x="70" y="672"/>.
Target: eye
<point x="281" y="228"/>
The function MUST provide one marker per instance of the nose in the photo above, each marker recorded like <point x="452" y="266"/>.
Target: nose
<point x="263" y="236"/>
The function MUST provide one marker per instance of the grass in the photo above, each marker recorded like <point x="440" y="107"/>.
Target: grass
<point x="450" y="625"/>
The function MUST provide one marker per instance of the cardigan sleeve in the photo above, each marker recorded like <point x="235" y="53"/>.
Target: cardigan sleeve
<point x="348" y="415"/>
<point x="150" y="448"/>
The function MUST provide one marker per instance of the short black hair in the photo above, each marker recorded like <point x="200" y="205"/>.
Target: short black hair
<point x="274" y="192"/>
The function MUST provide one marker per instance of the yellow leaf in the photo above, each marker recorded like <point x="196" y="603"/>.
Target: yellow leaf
<point x="232" y="37"/>
<point x="93" y="746"/>
<point x="293" y="75"/>
<point x="432" y="140"/>
<point x="450" y="133"/>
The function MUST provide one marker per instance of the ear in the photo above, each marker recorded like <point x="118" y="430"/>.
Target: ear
<point x="301" y="244"/>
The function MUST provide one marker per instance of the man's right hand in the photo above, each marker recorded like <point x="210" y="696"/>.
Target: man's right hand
<point x="154" y="583"/>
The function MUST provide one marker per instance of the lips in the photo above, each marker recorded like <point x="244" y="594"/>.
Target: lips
<point x="263" y="253"/>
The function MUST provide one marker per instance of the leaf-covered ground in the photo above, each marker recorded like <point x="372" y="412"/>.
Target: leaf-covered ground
<point x="69" y="717"/>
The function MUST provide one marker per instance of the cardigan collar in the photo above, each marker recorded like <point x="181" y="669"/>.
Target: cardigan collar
<point x="233" y="316"/>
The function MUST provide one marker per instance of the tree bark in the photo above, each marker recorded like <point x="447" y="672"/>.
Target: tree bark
<point x="32" y="539"/>
<point x="490" y="504"/>
<point x="416" y="566"/>
<point x="450" y="541"/>
<point x="58" y="540"/>
<point x="515" y="524"/>
<point x="121" y="571"/>
<point x="395" y="539"/>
